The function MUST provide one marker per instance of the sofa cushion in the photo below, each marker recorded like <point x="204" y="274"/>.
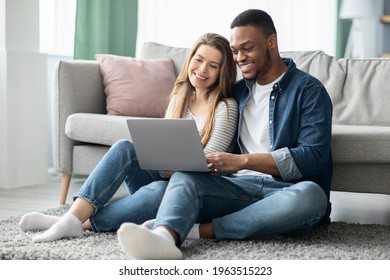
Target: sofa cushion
<point x="96" y="128"/>
<point x="152" y="50"/>
<point x="359" y="88"/>
<point x="350" y="143"/>
<point x="136" y="87"/>
<point x="365" y="97"/>
<point x="360" y="144"/>
<point x="322" y="66"/>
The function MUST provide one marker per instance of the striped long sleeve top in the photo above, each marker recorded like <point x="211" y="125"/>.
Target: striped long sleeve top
<point x="225" y="124"/>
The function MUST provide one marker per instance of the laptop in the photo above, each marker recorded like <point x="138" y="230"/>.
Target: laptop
<point x="167" y="144"/>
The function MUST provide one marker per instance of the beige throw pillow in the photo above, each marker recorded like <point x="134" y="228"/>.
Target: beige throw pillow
<point x="136" y="87"/>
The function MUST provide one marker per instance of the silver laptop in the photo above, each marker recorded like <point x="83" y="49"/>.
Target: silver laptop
<point x="167" y="144"/>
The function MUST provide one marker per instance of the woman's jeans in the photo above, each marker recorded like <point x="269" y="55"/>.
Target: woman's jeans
<point x="146" y="189"/>
<point x="240" y="207"/>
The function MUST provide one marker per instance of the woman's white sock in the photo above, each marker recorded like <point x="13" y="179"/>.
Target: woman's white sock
<point x="37" y="221"/>
<point x="67" y="226"/>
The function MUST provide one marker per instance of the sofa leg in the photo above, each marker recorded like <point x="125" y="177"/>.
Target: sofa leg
<point x="66" y="177"/>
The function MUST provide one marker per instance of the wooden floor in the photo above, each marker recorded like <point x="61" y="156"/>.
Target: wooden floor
<point x="347" y="207"/>
<point x="17" y="201"/>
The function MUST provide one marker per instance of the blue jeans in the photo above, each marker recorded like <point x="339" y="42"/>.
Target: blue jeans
<point x="146" y="189"/>
<point x="240" y="207"/>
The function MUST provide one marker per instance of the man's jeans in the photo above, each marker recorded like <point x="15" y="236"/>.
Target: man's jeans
<point x="146" y="189"/>
<point x="240" y="207"/>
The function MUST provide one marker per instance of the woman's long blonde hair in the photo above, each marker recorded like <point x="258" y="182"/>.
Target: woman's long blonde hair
<point x="221" y="89"/>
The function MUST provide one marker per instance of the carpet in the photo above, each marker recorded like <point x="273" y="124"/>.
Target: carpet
<point x="338" y="241"/>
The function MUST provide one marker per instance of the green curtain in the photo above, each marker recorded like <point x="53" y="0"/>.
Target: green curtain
<point x="104" y="26"/>
<point x="342" y="33"/>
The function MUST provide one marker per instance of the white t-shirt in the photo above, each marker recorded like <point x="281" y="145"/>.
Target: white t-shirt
<point x="254" y="134"/>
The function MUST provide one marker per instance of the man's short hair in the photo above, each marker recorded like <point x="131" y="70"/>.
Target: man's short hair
<point x="257" y="18"/>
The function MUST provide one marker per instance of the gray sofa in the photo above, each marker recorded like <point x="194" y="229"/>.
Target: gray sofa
<point x="359" y="89"/>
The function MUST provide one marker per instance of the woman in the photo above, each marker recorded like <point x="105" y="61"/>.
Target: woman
<point x="201" y="92"/>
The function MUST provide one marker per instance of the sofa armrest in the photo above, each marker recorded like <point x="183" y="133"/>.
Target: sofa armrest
<point x="77" y="88"/>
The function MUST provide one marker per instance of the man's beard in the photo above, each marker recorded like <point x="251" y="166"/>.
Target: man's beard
<point x="266" y="64"/>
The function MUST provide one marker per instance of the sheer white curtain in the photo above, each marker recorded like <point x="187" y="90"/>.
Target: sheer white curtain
<point x="301" y="24"/>
<point x="56" y="26"/>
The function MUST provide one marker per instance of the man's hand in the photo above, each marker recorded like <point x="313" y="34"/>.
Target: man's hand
<point x="230" y="163"/>
<point x="224" y="162"/>
<point x="166" y="174"/>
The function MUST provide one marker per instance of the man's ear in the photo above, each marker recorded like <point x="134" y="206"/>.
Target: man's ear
<point x="272" y="41"/>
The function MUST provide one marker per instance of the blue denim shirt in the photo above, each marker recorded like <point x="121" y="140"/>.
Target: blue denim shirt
<point x="300" y="117"/>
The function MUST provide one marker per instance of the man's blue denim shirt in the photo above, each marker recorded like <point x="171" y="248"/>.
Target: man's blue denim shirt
<point x="300" y="118"/>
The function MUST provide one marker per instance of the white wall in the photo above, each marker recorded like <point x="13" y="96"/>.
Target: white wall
<point x="23" y="112"/>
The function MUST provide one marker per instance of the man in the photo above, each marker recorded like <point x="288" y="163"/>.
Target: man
<point x="282" y="172"/>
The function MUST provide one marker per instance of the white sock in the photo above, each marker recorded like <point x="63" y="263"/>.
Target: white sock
<point x="144" y="244"/>
<point x="67" y="226"/>
<point x="193" y="234"/>
<point x="37" y="221"/>
<point x="149" y="224"/>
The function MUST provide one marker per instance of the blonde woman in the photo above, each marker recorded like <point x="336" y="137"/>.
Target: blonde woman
<point x="202" y="92"/>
